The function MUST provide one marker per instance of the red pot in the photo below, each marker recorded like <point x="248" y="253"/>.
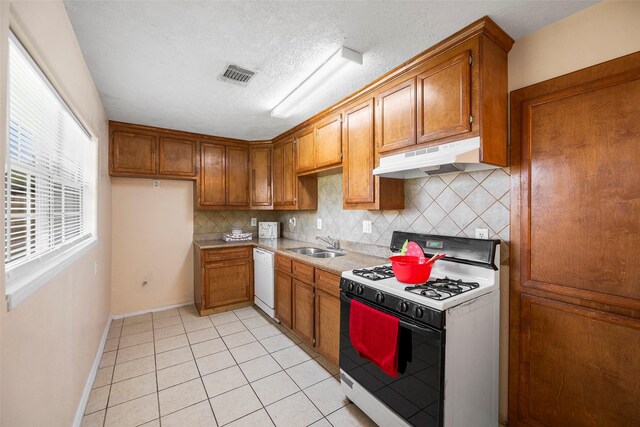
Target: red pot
<point x="411" y="269"/>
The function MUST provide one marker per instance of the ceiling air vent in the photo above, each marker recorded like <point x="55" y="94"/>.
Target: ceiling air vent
<point x="237" y="75"/>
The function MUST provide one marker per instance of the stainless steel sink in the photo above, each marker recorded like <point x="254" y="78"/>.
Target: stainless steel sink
<point x="316" y="252"/>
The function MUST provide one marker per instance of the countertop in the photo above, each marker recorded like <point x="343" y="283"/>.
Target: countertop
<point x="333" y="265"/>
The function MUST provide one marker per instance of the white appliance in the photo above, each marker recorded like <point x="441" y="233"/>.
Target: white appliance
<point x="268" y="230"/>
<point x="263" y="280"/>
<point x="445" y="158"/>
<point x="457" y="311"/>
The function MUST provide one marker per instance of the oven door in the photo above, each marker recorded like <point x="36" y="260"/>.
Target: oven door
<point x="417" y="395"/>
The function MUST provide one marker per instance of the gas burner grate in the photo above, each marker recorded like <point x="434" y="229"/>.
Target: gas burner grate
<point x="441" y="289"/>
<point x="375" y="273"/>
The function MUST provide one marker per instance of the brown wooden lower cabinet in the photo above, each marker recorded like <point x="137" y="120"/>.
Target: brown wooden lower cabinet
<point x="224" y="279"/>
<point x="303" y="311"/>
<point x="310" y="310"/>
<point x="284" y="298"/>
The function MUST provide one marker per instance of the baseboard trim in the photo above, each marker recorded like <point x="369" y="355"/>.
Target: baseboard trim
<point x="150" y="310"/>
<point x="77" y="421"/>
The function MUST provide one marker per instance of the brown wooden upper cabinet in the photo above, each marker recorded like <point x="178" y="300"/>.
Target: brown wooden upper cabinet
<point x="328" y="142"/>
<point x="261" y="188"/>
<point x="444" y="99"/>
<point x="284" y="174"/>
<point x="363" y="190"/>
<point x="305" y="150"/>
<point x="146" y="152"/>
<point x="397" y="116"/>
<point x="224" y="177"/>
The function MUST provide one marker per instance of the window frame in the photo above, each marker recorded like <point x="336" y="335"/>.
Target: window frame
<point x="25" y="278"/>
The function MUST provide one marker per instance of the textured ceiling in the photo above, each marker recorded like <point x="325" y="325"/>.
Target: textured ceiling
<point x="157" y="62"/>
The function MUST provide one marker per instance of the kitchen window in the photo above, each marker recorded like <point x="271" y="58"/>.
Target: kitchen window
<point x="50" y="180"/>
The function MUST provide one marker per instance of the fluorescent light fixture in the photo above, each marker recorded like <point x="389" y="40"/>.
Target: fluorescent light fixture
<point x="337" y="64"/>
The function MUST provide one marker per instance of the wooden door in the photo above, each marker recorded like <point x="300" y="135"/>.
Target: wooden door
<point x="212" y="181"/>
<point x="176" y="157"/>
<point x="305" y="151"/>
<point x="328" y="142"/>
<point x="328" y="325"/>
<point x="289" y="178"/>
<point x="237" y="176"/>
<point x="359" y="155"/>
<point x="303" y="311"/>
<point x="575" y="257"/>
<point x="278" y="177"/>
<point x="227" y="282"/>
<point x="444" y="99"/>
<point x="396" y="124"/>
<point x="284" y="298"/>
<point x="133" y="153"/>
<point x="261" y="195"/>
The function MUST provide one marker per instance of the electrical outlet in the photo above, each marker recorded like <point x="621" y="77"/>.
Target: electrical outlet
<point x="156" y="183"/>
<point x="482" y="233"/>
<point x="367" y="227"/>
<point x="319" y="223"/>
<point x="254" y="222"/>
<point x="95" y="268"/>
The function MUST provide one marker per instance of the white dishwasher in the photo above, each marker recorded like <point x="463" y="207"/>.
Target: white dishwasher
<point x="263" y="280"/>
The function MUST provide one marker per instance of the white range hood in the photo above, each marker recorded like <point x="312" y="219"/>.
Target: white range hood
<point x="452" y="157"/>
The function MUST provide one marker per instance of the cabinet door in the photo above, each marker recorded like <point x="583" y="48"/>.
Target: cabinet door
<point x="305" y="151"/>
<point x="289" y="178"/>
<point x="212" y="176"/>
<point x="261" y="177"/>
<point x="358" y="179"/>
<point x="284" y="298"/>
<point x="176" y="157"/>
<point x="133" y="153"/>
<point x="397" y="116"/>
<point x="444" y="99"/>
<point x="303" y="311"/>
<point x="328" y="326"/>
<point x="328" y="142"/>
<point x="237" y="176"/>
<point x="278" y="177"/>
<point x="227" y="282"/>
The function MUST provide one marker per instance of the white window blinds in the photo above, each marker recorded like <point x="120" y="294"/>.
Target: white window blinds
<point x="49" y="173"/>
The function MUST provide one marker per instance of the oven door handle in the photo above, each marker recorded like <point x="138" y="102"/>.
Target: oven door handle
<point x="424" y="330"/>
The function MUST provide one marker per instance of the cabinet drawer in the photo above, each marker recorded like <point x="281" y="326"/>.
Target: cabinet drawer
<point x="213" y="255"/>
<point x="328" y="282"/>
<point x="303" y="271"/>
<point x="283" y="264"/>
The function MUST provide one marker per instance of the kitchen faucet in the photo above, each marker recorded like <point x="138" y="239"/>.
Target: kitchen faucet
<point x="333" y="244"/>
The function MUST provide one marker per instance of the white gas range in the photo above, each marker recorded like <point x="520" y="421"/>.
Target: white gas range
<point x="448" y="341"/>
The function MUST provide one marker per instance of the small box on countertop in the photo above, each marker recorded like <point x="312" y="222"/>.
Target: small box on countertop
<point x="268" y="230"/>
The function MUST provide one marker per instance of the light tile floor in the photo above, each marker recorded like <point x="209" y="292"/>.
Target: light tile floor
<point x="239" y="368"/>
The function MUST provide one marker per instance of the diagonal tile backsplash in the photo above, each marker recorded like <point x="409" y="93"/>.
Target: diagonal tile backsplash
<point x="451" y="204"/>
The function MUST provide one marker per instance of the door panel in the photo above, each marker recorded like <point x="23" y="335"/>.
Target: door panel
<point x="133" y="153"/>
<point x="278" y="177"/>
<point x="227" y="283"/>
<point x="176" y="157"/>
<point x="444" y="99"/>
<point x="284" y="298"/>
<point x="328" y="143"/>
<point x="303" y="311"/>
<point x="212" y="175"/>
<point x="328" y="325"/>
<point x="261" y="177"/>
<point x="358" y="179"/>
<point x="289" y="174"/>
<point x="397" y="116"/>
<point x="237" y="173"/>
<point x="306" y="151"/>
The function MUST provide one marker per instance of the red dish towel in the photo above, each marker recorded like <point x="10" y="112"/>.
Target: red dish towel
<point x="374" y="335"/>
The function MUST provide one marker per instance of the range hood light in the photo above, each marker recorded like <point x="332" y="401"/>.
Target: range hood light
<point x="337" y="64"/>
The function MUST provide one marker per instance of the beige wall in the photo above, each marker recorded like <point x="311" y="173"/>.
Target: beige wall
<point x="49" y="341"/>
<point x="600" y="33"/>
<point x="152" y="240"/>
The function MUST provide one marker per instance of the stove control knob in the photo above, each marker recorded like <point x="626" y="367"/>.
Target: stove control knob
<point x="404" y="306"/>
<point x="360" y="289"/>
<point x="418" y="313"/>
<point x="379" y="297"/>
<point x="350" y="287"/>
